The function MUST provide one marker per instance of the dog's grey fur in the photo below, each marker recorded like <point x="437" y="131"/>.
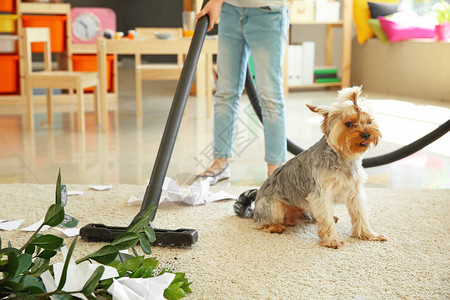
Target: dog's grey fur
<point x="328" y="173"/>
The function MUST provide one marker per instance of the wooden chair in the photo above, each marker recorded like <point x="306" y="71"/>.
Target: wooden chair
<point x="54" y="79"/>
<point x="155" y="71"/>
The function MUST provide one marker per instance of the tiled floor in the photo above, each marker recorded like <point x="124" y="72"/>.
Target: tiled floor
<point x="127" y="153"/>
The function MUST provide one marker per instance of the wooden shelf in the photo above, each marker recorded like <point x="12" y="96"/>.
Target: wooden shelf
<point x="45" y="8"/>
<point x="345" y="24"/>
<point x="84" y="48"/>
<point x="316" y="85"/>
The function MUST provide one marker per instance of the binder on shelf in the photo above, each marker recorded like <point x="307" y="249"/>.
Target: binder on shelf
<point x="321" y="70"/>
<point x="325" y="72"/>
<point x="295" y="67"/>
<point x="308" y="63"/>
<point x="327" y="80"/>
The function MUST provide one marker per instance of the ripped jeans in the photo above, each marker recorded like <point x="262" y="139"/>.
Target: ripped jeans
<point x="263" y="33"/>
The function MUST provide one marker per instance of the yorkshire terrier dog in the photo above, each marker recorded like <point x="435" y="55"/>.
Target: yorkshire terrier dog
<point x="328" y="173"/>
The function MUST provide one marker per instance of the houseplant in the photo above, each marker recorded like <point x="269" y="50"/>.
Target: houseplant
<point x="442" y="13"/>
<point x="22" y="269"/>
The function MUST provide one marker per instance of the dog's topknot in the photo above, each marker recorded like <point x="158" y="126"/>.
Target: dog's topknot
<point x="350" y="93"/>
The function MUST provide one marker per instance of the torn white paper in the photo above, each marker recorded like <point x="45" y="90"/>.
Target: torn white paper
<point x="70" y="232"/>
<point x="135" y="201"/>
<point x="35" y="226"/>
<point x="72" y="193"/>
<point x="196" y="194"/>
<point x="10" y="224"/>
<point x="77" y="275"/>
<point x="101" y="187"/>
<point x="151" y="288"/>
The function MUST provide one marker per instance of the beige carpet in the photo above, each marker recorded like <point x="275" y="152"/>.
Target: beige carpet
<point x="233" y="260"/>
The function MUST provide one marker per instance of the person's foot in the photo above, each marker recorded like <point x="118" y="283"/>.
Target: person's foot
<point x="219" y="170"/>
<point x="271" y="168"/>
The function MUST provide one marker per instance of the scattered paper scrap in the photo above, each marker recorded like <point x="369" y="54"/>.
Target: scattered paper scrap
<point x="196" y="194"/>
<point x="135" y="200"/>
<point x="151" y="288"/>
<point x="70" y="232"/>
<point x="10" y="224"/>
<point x="72" y="193"/>
<point x="77" y="275"/>
<point x="101" y="187"/>
<point x="35" y="226"/>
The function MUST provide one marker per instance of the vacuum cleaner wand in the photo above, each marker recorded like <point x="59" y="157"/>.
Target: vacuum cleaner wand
<point x="179" y="237"/>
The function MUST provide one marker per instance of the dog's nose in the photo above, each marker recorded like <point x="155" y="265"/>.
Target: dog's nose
<point x="365" y="135"/>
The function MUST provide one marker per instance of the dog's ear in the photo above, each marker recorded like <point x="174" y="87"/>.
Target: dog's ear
<point x="312" y="108"/>
<point x="318" y="109"/>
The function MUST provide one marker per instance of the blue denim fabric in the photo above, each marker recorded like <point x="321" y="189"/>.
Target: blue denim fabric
<point x="262" y="32"/>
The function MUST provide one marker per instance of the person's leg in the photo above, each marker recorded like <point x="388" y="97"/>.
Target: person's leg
<point x="266" y="35"/>
<point x="231" y="65"/>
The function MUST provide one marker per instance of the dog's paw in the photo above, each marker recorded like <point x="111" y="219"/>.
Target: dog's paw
<point x="274" y="228"/>
<point x="372" y="237"/>
<point x="335" y="244"/>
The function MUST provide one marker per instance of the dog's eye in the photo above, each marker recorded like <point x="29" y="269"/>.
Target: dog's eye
<point x="349" y="124"/>
<point x="369" y="122"/>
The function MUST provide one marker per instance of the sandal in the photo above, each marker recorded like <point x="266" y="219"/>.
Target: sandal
<point x="213" y="178"/>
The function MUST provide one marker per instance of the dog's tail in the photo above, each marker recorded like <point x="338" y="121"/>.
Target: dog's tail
<point x="242" y="206"/>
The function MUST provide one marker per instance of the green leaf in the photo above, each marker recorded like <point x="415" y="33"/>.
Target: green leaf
<point x="35" y="289"/>
<point x="58" y="189"/>
<point x="47" y="254"/>
<point x="174" y="291"/>
<point x="144" y="220"/>
<point x="12" y="284"/>
<point x="131" y="264"/>
<point x="150" y="233"/>
<point x="145" y="244"/>
<point x="30" y="249"/>
<point x="104" y="255"/>
<point x="162" y="272"/>
<point x="105" y="284"/>
<point x="54" y="215"/>
<point x="69" y="222"/>
<point x="10" y="249"/>
<point x="114" y="264"/>
<point x="138" y="274"/>
<point x="187" y="287"/>
<point x="13" y="264"/>
<point x="62" y="281"/>
<point x="48" y="242"/>
<point x="179" y="277"/>
<point x="25" y="261"/>
<point x="0" y="242"/>
<point x="151" y="262"/>
<point x="40" y="265"/>
<point x="134" y="251"/>
<point x="33" y="284"/>
<point x="63" y="297"/>
<point x="91" y="284"/>
<point x="126" y="240"/>
<point x="148" y="273"/>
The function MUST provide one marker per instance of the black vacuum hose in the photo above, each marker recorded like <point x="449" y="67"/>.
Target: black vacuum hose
<point x="154" y="187"/>
<point x="368" y="162"/>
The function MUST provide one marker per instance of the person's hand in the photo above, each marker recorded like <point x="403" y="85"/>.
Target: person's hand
<point x="212" y="8"/>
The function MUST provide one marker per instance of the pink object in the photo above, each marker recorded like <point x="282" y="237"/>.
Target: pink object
<point x="399" y="32"/>
<point x="442" y="31"/>
<point x="89" y="23"/>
